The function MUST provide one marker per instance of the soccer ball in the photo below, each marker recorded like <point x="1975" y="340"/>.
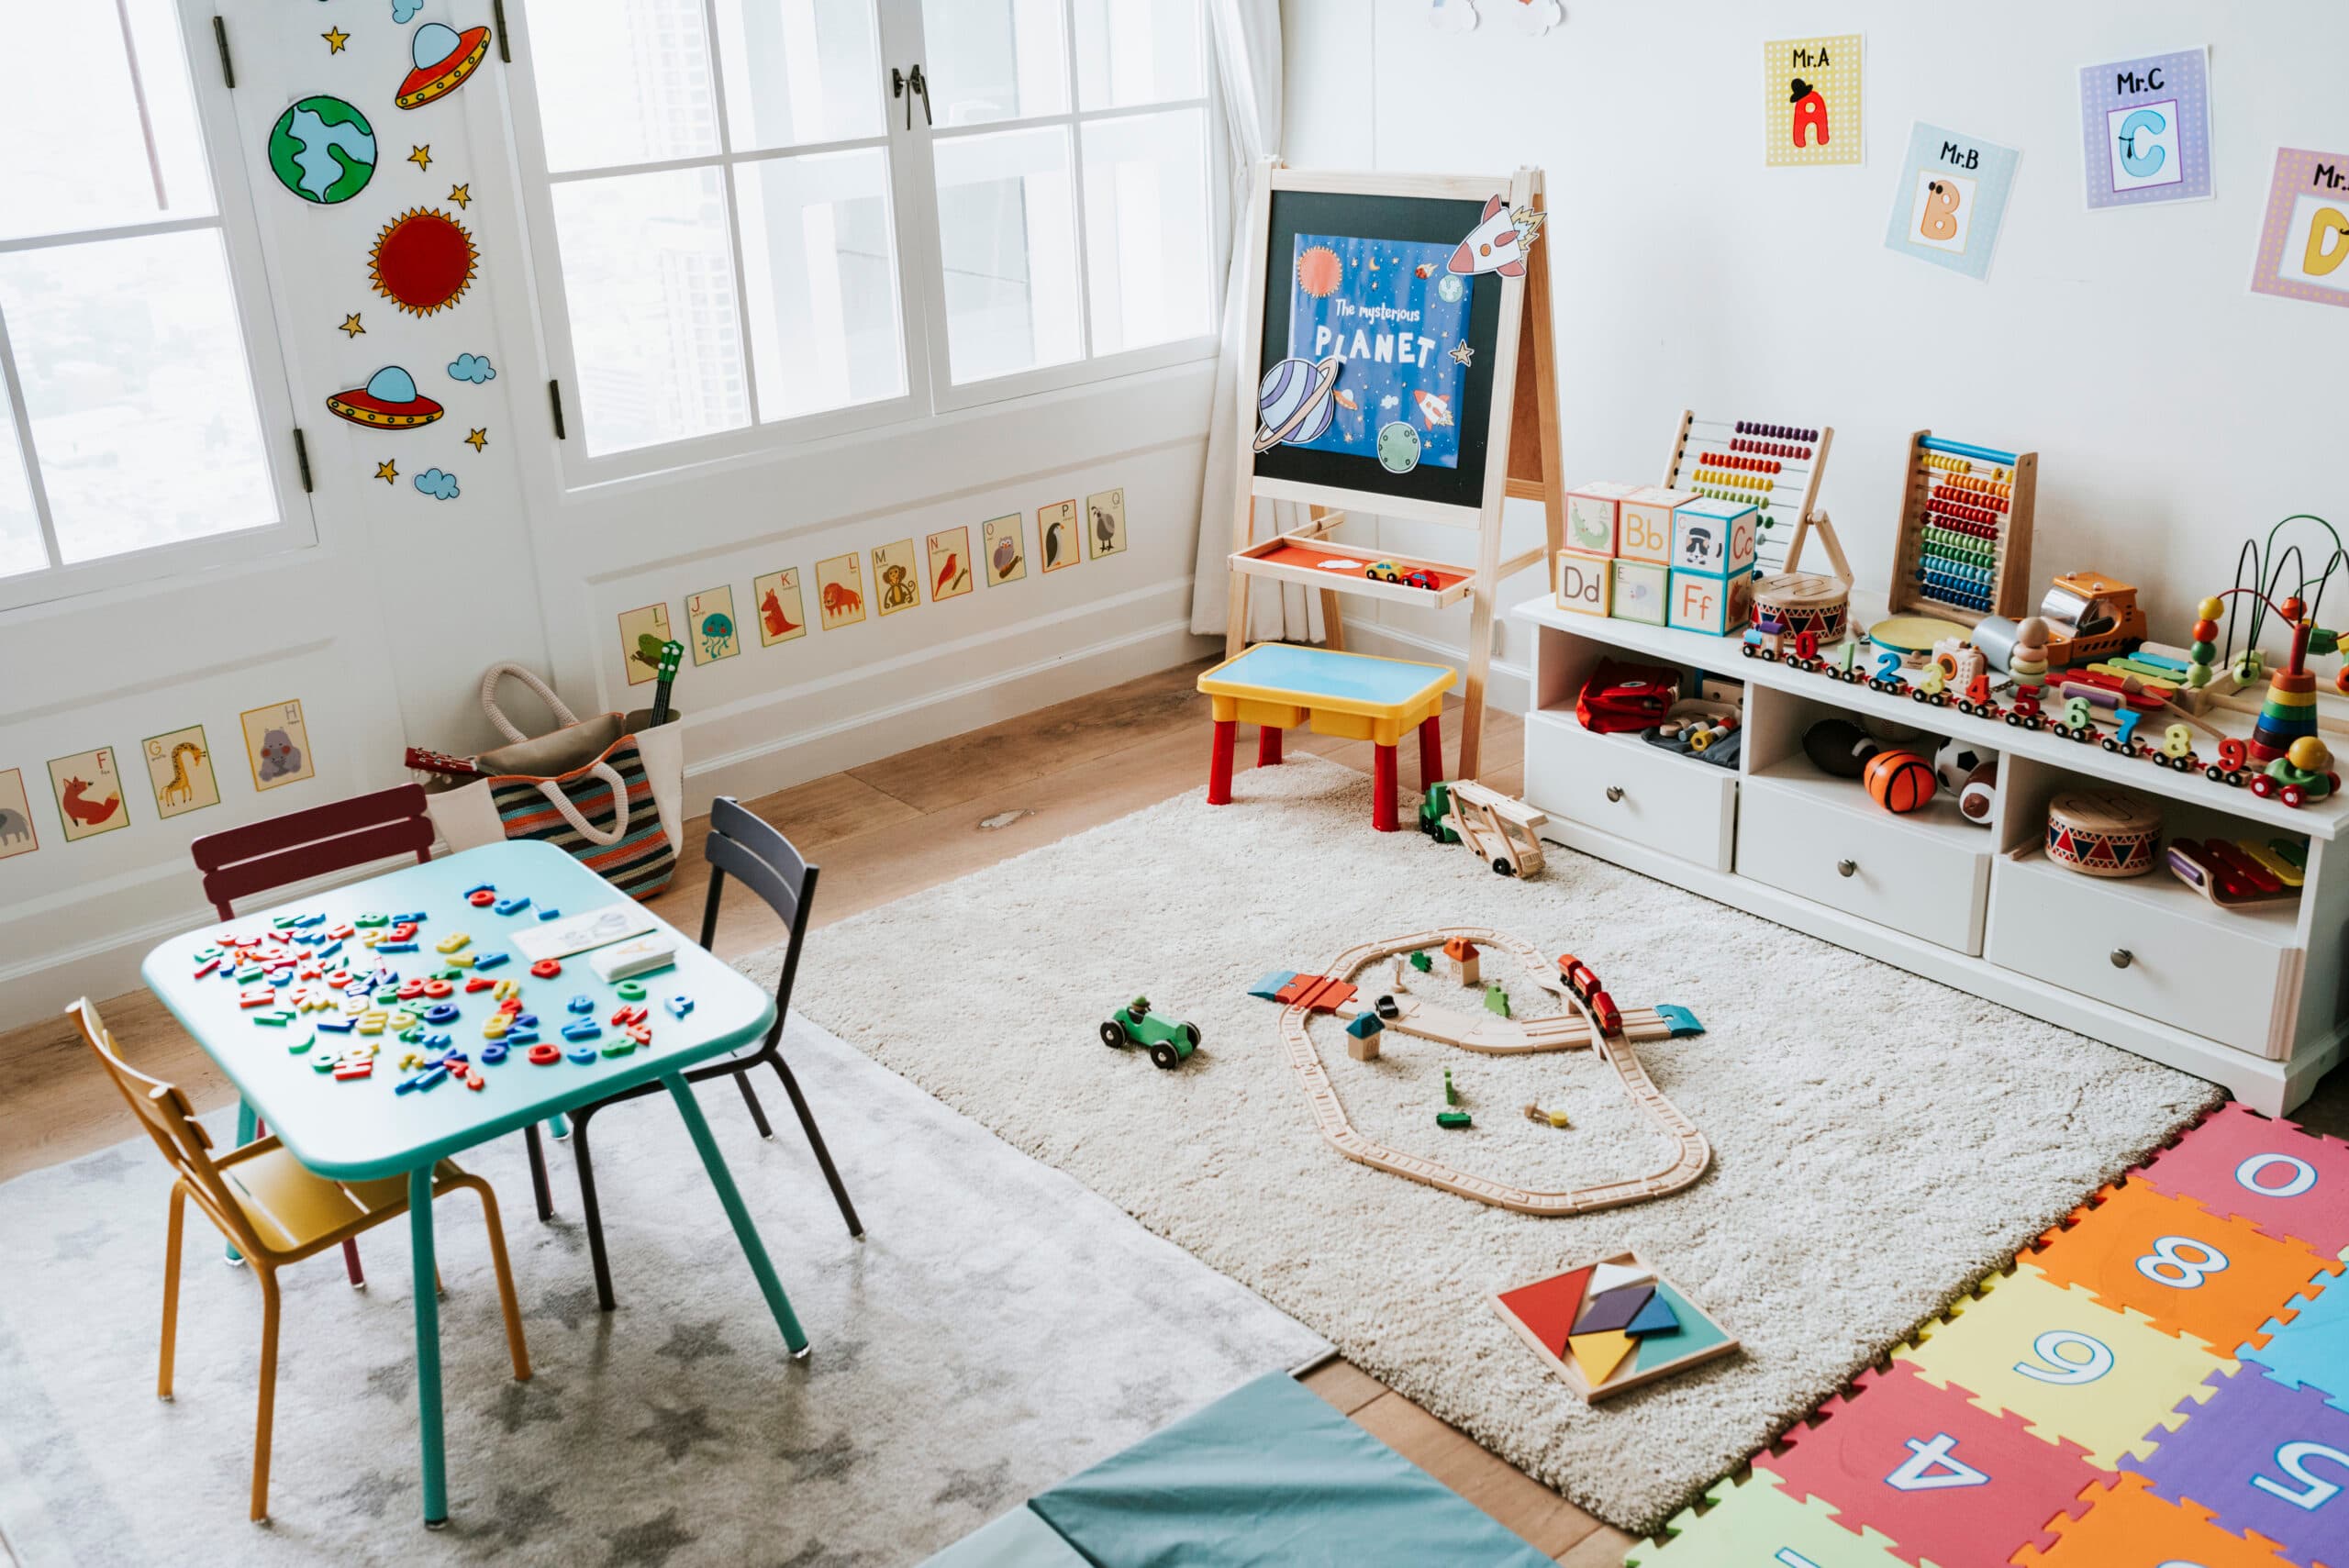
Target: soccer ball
<point x="1957" y="760"/>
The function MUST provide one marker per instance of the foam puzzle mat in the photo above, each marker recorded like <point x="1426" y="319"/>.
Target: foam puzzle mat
<point x="2162" y="1381"/>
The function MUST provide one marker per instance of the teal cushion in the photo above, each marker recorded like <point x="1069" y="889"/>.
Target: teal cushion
<point x="1016" y="1540"/>
<point x="1272" y="1474"/>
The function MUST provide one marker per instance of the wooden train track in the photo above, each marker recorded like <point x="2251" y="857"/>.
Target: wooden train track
<point x="1494" y="1034"/>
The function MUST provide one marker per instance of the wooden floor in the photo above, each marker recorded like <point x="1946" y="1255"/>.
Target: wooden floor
<point x="881" y="831"/>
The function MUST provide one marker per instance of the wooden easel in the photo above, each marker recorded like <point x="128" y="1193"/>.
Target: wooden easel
<point x="1522" y="459"/>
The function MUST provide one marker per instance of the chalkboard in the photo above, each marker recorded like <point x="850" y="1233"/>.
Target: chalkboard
<point x="1362" y="280"/>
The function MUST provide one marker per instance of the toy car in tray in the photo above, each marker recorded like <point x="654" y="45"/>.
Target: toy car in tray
<point x="1169" y="1040"/>
<point x="1409" y="576"/>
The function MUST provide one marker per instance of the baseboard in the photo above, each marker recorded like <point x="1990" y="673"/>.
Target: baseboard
<point x="1508" y="688"/>
<point x="38" y="986"/>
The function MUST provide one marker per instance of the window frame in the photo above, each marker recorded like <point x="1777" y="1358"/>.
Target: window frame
<point x="236" y="219"/>
<point x="931" y="391"/>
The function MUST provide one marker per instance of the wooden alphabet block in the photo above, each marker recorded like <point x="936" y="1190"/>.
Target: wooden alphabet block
<point x="1709" y="603"/>
<point x="1592" y="511"/>
<point x="1714" y="537"/>
<point x="1643" y="526"/>
<point x="1640" y="590"/>
<point x="1586" y="583"/>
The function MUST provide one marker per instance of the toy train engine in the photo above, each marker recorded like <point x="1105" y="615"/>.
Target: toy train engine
<point x="1584" y="983"/>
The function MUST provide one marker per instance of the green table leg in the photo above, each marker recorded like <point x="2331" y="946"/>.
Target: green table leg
<point x="427" y="1345"/>
<point x="744" y="1231"/>
<point x="246" y="1123"/>
<point x="557" y="1127"/>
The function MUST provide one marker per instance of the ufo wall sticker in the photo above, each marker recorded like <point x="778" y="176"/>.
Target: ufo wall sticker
<point x="423" y="261"/>
<point x="322" y="150"/>
<point x="444" y="58"/>
<point x="388" y="402"/>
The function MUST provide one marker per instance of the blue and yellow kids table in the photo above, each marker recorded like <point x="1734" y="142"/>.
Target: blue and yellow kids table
<point x="1356" y="696"/>
<point x="366" y="1128"/>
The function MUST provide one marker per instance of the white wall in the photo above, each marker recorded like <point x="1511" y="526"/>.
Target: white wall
<point x="2175" y="413"/>
<point x="383" y="627"/>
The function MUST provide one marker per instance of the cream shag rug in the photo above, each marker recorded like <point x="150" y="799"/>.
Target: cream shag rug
<point x="1879" y="1141"/>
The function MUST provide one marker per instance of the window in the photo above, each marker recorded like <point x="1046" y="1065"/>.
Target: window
<point x="130" y="420"/>
<point x="756" y="218"/>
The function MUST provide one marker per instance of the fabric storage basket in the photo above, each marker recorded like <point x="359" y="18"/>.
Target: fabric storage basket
<point x="607" y="791"/>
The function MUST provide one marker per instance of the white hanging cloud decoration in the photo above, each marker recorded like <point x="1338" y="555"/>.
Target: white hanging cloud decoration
<point x="1453" y="15"/>
<point x="1535" y="18"/>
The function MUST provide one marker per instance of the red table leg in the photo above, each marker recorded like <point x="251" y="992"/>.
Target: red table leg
<point x="1219" y="764"/>
<point x="1268" y="745"/>
<point x="1430" y="753"/>
<point x="1382" y="794"/>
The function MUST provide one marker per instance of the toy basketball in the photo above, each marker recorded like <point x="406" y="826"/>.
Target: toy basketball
<point x="2103" y="832"/>
<point x="1900" y="782"/>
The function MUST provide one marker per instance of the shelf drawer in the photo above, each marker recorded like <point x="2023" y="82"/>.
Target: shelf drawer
<point x="1619" y="784"/>
<point x="1930" y="884"/>
<point x="2184" y="970"/>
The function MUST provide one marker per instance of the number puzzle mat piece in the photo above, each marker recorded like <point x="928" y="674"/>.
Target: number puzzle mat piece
<point x="2264" y="1459"/>
<point x="1941" y="1479"/>
<point x="2073" y="1368"/>
<point x="1758" y="1526"/>
<point x="2129" y="1527"/>
<point x="2186" y="1268"/>
<point x="2311" y="1350"/>
<point x="2287" y="1182"/>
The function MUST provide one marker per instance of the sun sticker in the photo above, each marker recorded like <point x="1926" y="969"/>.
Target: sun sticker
<point x="1318" y="272"/>
<point x="423" y="261"/>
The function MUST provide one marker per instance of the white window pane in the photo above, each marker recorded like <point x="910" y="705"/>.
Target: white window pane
<point x="20" y="546"/>
<point x="98" y="131"/>
<point x="1007" y="235"/>
<point x="649" y="276"/>
<point x="820" y="267"/>
<point x="800" y="70"/>
<point x="1138" y="51"/>
<point x="993" y="60"/>
<point x="1147" y="237"/>
<point x="624" y="82"/>
<point x="134" y="374"/>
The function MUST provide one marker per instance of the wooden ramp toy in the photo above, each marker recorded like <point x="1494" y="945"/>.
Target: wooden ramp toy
<point x="1494" y="1034"/>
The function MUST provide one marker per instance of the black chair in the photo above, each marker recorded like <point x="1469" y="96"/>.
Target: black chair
<point x="764" y="861"/>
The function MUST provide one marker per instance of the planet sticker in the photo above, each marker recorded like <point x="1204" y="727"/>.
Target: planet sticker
<point x="1398" y="448"/>
<point x="388" y="402"/>
<point x="1293" y="401"/>
<point x="444" y="58"/>
<point x="423" y="261"/>
<point x="323" y="151"/>
<point x="1448" y="289"/>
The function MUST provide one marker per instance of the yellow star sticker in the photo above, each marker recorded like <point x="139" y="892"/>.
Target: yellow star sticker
<point x="336" y="38"/>
<point x="462" y="196"/>
<point x="387" y="471"/>
<point x="351" y="327"/>
<point x="422" y="156"/>
<point x="478" y="439"/>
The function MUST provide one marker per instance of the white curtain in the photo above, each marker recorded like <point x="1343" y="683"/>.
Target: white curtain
<point x="1247" y="57"/>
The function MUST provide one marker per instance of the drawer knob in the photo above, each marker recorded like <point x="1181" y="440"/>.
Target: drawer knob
<point x="1845" y="868"/>
<point x="2122" y="958"/>
<point x="1614" y="791"/>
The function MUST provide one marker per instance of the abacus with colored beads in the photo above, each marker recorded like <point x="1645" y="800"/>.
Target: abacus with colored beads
<point x="1775" y="467"/>
<point x="1964" y="548"/>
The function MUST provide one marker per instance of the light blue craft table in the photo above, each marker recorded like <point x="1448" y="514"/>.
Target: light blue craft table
<point x="364" y="1129"/>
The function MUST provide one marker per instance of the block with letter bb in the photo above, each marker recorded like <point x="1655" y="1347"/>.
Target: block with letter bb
<point x="1639" y="589"/>
<point x="1701" y="602"/>
<point x="1643" y="523"/>
<point x="1591" y="513"/>
<point x="1586" y="583"/>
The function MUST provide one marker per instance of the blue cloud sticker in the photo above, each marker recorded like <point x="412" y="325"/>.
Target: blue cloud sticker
<point x="439" y="485"/>
<point x="474" y="368"/>
<point x="404" y="11"/>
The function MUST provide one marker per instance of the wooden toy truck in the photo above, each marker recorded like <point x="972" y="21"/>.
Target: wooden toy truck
<point x="2105" y="620"/>
<point x="1499" y="830"/>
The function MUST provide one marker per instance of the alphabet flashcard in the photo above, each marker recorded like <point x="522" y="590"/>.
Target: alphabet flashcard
<point x="2306" y="235"/>
<point x="2145" y="129"/>
<point x="89" y="794"/>
<point x="1810" y="100"/>
<point x="1951" y="197"/>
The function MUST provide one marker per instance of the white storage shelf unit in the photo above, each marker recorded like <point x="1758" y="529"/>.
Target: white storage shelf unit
<point x="2249" y="998"/>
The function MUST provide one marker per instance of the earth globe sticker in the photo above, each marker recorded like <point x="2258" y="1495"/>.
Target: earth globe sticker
<point x="1293" y="401"/>
<point x="1398" y="448"/>
<point x="323" y="151"/>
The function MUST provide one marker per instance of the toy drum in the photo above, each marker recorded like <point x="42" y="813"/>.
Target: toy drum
<point x="2103" y="832"/>
<point x="1797" y="601"/>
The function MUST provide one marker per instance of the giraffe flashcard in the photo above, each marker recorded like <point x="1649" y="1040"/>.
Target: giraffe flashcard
<point x="642" y="631"/>
<point x="179" y="766"/>
<point x="2306" y="235"/>
<point x="709" y="624"/>
<point x="89" y="794"/>
<point x="1810" y="100"/>
<point x="1950" y="199"/>
<point x="277" y="743"/>
<point x="1105" y="523"/>
<point x="894" y="576"/>
<point x="1007" y="556"/>
<point x="2145" y="129"/>
<point x="17" y="835"/>
<point x="950" y="564"/>
<point x="782" y="615"/>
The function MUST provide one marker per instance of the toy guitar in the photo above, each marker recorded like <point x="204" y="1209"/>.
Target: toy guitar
<point x="428" y="762"/>
<point x="672" y="653"/>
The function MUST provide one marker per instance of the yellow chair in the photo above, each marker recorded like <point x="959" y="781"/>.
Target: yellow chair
<point x="275" y="1212"/>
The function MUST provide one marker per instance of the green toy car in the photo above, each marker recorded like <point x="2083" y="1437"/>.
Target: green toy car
<point x="1169" y="1039"/>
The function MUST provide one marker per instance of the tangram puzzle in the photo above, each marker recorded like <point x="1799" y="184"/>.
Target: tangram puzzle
<point x="2085" y="1411"/>
<point x="1611" y="1326"/>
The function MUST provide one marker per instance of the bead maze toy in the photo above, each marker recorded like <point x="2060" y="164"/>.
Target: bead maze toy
<point x="2163" y="1380"/>
<point x="1610" y="1326"/>
<point x="1963" y="551"/>
<point x="1592" y="1022"/>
